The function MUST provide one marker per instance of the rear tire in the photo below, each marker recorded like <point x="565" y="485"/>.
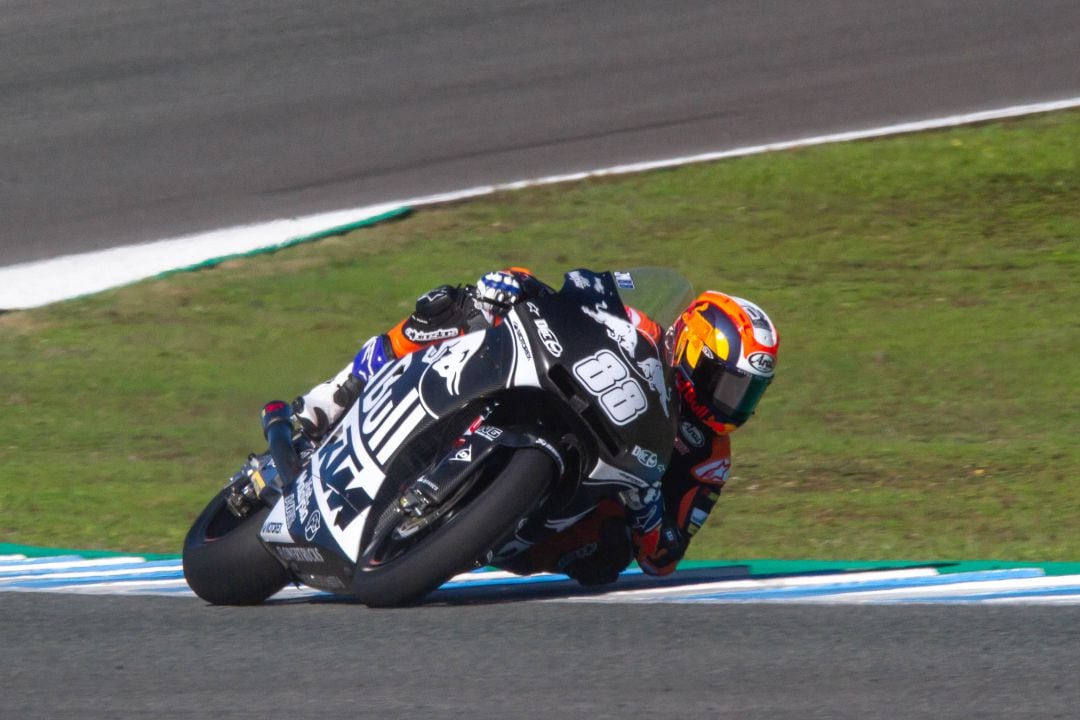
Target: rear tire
<point x="225" y="562"/>
<point x="455" y="546"/>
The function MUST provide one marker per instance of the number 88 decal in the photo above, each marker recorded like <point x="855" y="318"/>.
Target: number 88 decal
<point x="606" y="377"/>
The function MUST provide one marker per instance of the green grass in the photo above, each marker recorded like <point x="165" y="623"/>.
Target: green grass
<point x="925" y="287"/>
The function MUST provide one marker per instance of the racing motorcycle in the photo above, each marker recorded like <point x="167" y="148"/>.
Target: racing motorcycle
<point x="456" y="456"/>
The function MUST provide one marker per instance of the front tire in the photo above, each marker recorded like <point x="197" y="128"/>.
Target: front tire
<point x="225" y="562"/>
<point x="456" y="545"/>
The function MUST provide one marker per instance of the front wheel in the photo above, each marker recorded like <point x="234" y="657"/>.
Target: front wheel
<point x="225" y="562"/>
<point x="467" y="534"/>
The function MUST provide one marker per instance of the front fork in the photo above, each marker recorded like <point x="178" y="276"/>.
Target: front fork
<point x="253" y="486"/>
<point x="264" y="476"/>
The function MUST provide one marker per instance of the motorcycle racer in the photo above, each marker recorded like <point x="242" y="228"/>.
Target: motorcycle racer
<point x="723" y="350"/>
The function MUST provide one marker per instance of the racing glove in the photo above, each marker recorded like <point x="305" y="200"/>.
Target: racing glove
<point x="497" y="292"/>
<point x="659" y="550"/>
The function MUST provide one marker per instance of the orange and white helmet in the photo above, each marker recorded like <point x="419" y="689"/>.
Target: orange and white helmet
<point x="723" y="349"/>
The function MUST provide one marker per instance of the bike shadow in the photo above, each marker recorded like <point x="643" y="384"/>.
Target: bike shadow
<point x="482" y="591"/>
<point x="554" y="587"/>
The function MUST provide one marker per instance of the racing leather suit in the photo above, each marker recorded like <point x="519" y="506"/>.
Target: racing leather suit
<point x="598" y="547"/>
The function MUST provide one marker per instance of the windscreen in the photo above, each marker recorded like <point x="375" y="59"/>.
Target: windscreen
<point x="660" y="293"/>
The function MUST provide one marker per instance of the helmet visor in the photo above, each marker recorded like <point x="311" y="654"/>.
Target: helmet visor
<point x="732" y="394"/>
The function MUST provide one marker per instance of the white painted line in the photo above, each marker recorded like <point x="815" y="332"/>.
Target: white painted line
<point x="134" y="569"/>
<point x="487" y="575"/>
<point x="42" y="282"/>
<point x="969" y="589"/>
<point x="1025" y="600"/>
<point x="39" y="283"/>
<point x="122" y="587"/>
<point x="63" y="564"/>
<point x="663" y="594"/>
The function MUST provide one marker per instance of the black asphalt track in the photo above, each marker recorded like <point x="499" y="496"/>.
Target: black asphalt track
<point x="124" y="121"/>
<point x="149" y="657"/>
<point x="129" y="121"/>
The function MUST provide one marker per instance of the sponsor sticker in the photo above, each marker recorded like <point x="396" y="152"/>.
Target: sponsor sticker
<point x="489" y="431"/>
<point x="624" y="281"/>
<point x="523" y="343"/>
<point x="646" y="457"/>
<point x="691" y="434"/>
<point x="547" y="336"/>
<point x="423" y="336"/>
<point x="764" y="363"/>
<point x="426" y="482"/>
<point x="312" y="526"/>
<point x="304" y="491"/>
<point x="299" y="554"/>
<point x="579" y="281"/>
<point x="715" y="472"/>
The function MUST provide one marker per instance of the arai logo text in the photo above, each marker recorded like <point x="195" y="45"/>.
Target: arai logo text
<point x="762" y="362"/>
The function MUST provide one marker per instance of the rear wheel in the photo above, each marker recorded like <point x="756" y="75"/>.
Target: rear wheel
<point x="225" y="562"/>
<point x="397" y="572"/>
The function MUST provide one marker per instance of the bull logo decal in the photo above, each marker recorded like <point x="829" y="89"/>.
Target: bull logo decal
<point x="450" y="358"/>
<point x="619" y="329"/>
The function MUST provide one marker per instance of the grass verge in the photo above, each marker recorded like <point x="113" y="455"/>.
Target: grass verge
<point x="924" y="286"/>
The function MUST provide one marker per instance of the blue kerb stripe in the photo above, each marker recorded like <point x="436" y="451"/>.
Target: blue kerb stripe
<point x="93" y="568"/>
<point x="848" y="587"/>
<point x="4" y="564"/>
<point x="71" y="582"/>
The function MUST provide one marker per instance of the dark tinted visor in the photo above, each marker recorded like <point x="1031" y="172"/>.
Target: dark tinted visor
<point x="731" y="394"/>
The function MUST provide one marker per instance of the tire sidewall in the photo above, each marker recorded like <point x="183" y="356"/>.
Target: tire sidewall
<point x="236" y="568"/>
<point x="490" y="517"/>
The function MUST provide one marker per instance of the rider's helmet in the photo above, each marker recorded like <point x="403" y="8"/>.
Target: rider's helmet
<point x="723" y="349"/>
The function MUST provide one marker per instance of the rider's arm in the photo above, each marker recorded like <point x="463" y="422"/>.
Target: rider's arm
<point x="441" y="314"/>
<point x="690" y="498"/>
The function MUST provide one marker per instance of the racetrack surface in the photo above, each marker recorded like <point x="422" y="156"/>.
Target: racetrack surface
<point x="124" y="122"/>
<point x="174" y="658"/>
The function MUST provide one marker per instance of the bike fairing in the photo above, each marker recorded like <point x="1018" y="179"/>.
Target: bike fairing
<point x="603" y="398"/>
<point x="405" y="396"/>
